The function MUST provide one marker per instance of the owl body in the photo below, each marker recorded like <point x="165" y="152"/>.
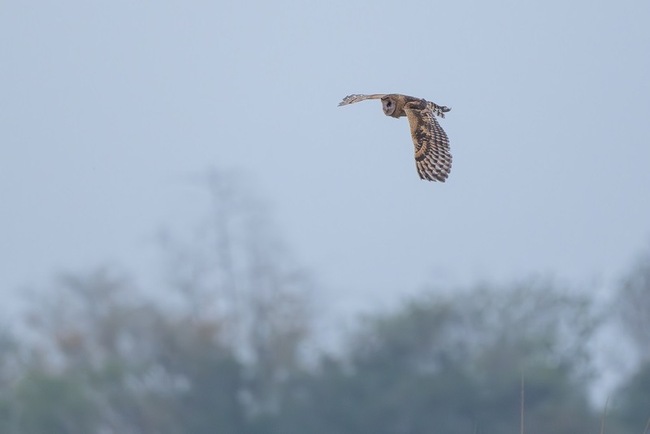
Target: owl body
<point x="432" y="155"/>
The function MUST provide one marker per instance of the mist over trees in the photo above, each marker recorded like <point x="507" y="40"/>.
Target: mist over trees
<point x="227" y="345"/>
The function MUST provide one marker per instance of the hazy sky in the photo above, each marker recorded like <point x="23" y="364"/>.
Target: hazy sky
<point x="108" y="109"/>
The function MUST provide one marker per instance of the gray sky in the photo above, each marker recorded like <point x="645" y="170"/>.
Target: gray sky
<point x="108" y="109"/>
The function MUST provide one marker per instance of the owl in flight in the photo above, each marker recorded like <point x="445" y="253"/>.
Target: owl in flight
<point x="432" y="156"/>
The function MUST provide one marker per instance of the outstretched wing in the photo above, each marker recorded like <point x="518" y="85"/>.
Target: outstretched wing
<point x="432" y="156"/>
<point x="351" y="99"/>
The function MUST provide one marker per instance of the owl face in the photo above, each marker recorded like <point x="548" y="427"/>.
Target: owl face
<point x="388" y="105"/>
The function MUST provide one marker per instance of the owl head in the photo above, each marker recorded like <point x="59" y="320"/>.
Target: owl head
<point x="393" y="104"/>
<point x="389" y="104"/>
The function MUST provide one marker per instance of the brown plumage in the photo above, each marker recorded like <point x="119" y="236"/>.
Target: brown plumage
<point x="432" y="156"/>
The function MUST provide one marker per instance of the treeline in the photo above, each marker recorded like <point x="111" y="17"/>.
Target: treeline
<point x="226" y="345"/>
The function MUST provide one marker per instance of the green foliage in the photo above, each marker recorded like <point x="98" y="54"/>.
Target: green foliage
<point x="52" y="404"/>
<point x="632" y="401"/>
<point x="446" y="364"/>
<point x="454" y="365"/>
<point x="634" y="303"/>
<point x="631" y="409"/>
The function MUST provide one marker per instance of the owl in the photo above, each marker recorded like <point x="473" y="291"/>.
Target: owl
<point x="432" y="156"/>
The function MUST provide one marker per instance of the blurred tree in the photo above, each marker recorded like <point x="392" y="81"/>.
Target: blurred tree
<point x="632" y="401"/>
<point x="213" y="359"/>
<point x="84" y="321"/>
<point x="236" y="269"/>
<point x="454" y="365"/>
<point x="634" y="304"/>
<point x="113" y="362"/>
<point x="8" y="372"/>
<point x="52" y="404"/>
<point x="221" y="350"/>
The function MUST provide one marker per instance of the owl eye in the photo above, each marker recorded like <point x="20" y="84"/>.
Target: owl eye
<point x="389" y="103"/>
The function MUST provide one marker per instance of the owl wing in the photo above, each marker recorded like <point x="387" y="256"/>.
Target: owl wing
<point x="432" y="156"/>
<point x="351" y="99"/>
<point x="438" y="110"/>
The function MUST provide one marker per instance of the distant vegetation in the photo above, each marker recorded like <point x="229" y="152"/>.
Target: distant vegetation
<point x="227" y="346"/>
